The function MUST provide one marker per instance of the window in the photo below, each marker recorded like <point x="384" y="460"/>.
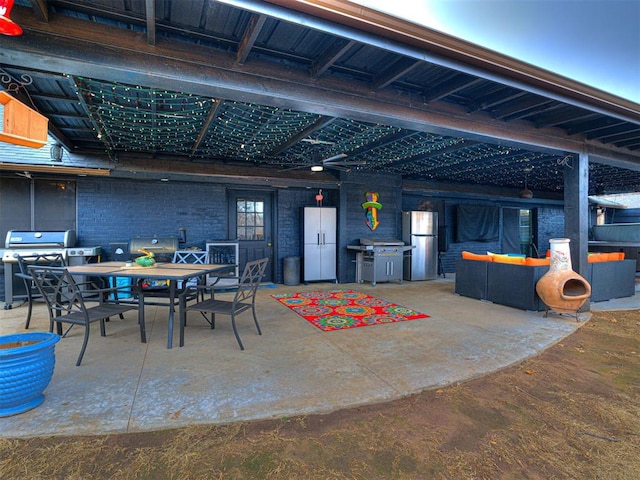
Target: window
<point x="525" y="232"/>
<point x="54" y="205"/>
<point x="250" y="219"/>
<point x="36" y="204"/>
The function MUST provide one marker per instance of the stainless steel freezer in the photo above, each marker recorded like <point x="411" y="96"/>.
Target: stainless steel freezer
<point x="420" y="230"/>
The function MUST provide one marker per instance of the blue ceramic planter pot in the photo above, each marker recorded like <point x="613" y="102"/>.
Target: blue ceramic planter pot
<point x="26" y="368"/>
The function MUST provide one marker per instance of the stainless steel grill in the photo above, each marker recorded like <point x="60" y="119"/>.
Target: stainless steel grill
<point x="34" y="243"/>
<point x="381" y="242"/>
<point x="379" y="260"/>
<point x="156" y="245"/>
<point x="163" y="249"/>
<point x="24" y="243"/>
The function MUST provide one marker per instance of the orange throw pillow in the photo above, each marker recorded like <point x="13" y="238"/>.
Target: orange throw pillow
<point x="475" y="256"/>
<point x="597" y="257"/>
<point x="508" y="259"/>
<point x="605" y="257"/>
<point x="537" y="262"/>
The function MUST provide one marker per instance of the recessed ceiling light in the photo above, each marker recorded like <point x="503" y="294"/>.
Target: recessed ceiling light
<point x="164" y="179"/>
<point x="317" y="168"/>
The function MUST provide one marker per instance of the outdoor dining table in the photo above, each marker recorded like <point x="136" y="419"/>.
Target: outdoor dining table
<point x="175" y="273"/>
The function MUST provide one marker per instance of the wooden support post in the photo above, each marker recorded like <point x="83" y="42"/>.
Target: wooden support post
<point x="576" y="212"/>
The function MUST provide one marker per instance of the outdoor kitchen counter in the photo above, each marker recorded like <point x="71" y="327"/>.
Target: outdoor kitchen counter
<point x="177" y="272"/>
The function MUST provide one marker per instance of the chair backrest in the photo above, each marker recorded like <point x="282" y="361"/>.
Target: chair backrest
<point x="59" y="289"/>
<point x="44" y="259"/>
<point x="250" y="280"/>
<point x="191" y="256"/>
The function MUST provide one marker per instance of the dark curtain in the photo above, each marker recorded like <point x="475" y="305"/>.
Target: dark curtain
<point x="510" y="230"/>
<point x="477" y="223"/>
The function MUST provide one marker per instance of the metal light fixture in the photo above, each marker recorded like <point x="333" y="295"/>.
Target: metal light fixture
<point x="526" y="193"/>
<point x="8" y="26"/>
<point x="56" y="152"/>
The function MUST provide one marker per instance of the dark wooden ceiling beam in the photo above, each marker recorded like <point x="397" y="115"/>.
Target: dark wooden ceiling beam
<point x="56" y="98"/>
<point x="459" y="82"/>
<point x="97" y="132"/>
<point x="256" y="22"/>
<point x="40" y="9"/>
<point x="621" y="136"/>
<point x="320" y="123"/>
<point x="213" y="112"/>
<point x="473" y="191"/>
<point x="612" y="131"/>
<point x="77" y="129"/>
<point x="150" y="13"/>
<point x="382" y="142"/>
<point x="34" y="74"/>
<point x="97" y="10"/>
<point x="68" y="116"/>
<point x="628" y="144"/>
<point x="523" y="104"/>
<point x="394" y="73"/>
<point x="477" y="165"/>
<point x="329" y="56"/>
<point x="462" y="144"/>
<point x="534" y="111"/>
<point x="593" y="124"/>
<point x="567" y="114"/>
<point x="495" y="99"/>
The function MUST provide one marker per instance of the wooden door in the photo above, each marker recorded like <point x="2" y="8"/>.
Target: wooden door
<point x="251" y="221"/>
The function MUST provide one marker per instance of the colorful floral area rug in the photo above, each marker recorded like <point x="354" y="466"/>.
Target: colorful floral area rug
<point x="341" y="309"/>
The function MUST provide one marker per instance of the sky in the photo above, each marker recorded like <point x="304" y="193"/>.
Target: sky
<point x="595" y="42"/>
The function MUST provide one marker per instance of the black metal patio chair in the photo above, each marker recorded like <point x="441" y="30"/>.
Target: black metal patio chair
<point x="68" y="303"/>
<point x="44" y="259"/>
<point x="193" y="257"/>
<point x="244" y="299"/>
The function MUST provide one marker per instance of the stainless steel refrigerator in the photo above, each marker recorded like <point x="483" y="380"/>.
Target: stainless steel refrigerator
<point x="420" y="230"/>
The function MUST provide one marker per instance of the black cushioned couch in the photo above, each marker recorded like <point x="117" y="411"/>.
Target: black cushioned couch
<point x="515" y="285"/>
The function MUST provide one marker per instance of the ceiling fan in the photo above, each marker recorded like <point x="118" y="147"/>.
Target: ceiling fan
<point x="314" y="141"/>
<point x="526" y="193"/>
<point x="336" y="162"/>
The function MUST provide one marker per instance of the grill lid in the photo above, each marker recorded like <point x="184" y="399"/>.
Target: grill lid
<point x="381" y="242"/>
<point x="25" y="239"/>
<point x="154" y="244"/>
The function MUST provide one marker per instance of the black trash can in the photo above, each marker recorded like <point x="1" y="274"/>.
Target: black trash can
<point x="291" y="270"/>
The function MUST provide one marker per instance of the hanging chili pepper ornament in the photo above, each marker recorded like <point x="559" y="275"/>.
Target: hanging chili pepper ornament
<point x="8" y="26"/>
<point x="372" y="206"/>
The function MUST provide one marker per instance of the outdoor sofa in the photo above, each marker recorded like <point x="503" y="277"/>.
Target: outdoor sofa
<point x="513" y="282"/>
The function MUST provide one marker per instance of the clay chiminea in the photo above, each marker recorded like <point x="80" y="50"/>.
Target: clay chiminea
<point x="561" y="289"/>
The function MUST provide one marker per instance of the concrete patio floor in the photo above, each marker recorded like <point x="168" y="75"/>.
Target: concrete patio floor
<point x="292" y="369"/>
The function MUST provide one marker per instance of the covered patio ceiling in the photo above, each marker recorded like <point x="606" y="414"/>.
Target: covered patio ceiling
<point x="284" y="85"/>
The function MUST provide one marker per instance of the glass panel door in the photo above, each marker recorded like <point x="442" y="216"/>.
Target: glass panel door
<point x="250" y="219"/>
